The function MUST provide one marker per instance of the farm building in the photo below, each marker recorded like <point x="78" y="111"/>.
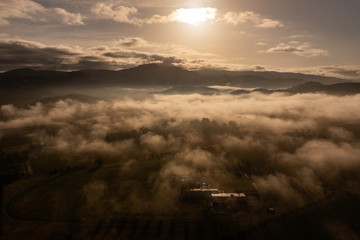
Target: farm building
<point x="202" y="193"/>
<point x="227" y="202"/>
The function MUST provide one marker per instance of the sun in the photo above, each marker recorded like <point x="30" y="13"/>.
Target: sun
<point x="194" y="16"/>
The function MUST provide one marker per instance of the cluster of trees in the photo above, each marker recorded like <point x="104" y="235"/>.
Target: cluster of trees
<point x="13" y="166"/>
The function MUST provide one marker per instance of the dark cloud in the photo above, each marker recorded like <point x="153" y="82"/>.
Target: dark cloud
<point x="287" y="49"/>
<point x="39" y="56"/>
<point x="130" y="42"/>
<point x="148" y="58"/>
<point x="17" y="53"/>
<point x="260" y="68"/>
<point x="14" y="49"/>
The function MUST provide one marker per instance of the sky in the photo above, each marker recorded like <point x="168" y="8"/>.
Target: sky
<point x="319" y="36"/>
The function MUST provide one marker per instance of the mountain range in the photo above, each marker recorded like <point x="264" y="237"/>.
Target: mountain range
<point x="154" y="75"/>
<point x="341" y="89"/>
<point x="24" y="86"/>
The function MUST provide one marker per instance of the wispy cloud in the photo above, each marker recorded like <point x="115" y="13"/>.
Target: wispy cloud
<point x="303" y="49"/>
<point x="144" y="57"/>
<point x="119" y="13"/>
<point x="108" y="10"/>
<point x="123" y="14"/>
<point x="69" y="18"/>
<point x="30" y="10"/>
<point x="261" y="44"/>
<point x="132" y="42"/>
<point x="24" y="9"/>
<point x="236" y="18"/>
<point x="346" y="72"/>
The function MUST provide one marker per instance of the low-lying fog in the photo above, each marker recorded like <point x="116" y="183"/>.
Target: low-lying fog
<point x="291" y="147"/>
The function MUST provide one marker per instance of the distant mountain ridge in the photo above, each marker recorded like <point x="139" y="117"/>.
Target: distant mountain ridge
<point x="311" y="87"/>
<point x="77" y="97"/>
<point x="153" y="75"/>
<point x="340" y="89"/>
<point x="274" y="75"/>
<point x="188" y="89"/>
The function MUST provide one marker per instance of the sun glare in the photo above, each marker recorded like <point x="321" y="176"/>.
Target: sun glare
<point x="194" y="16"/>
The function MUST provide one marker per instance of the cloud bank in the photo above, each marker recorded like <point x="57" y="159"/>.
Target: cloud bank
<point x="288" y="147"/>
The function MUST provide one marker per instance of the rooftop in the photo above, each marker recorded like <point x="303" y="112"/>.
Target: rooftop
<point x="228" y="195"/>
<point x="204" y="190"/>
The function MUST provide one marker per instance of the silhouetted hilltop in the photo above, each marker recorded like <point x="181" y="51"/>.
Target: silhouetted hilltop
<point x="336" y="89"/>
<point x="311" y="87"/>
<point x="151" y="74"/>
<point x="307" y="87"/>
<point x="293" y="78"/>
<point x="77" y="97"/>
<point x="189" y="89"/>
<point x="343" y="88"/>
<point x="28" y="78"/>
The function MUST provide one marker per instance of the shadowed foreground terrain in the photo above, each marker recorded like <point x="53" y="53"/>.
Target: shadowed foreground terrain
<point x="334" y="215"/>
<point x="122" y="166"/>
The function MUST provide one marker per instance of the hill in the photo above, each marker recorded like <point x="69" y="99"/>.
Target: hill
<point x="311" y="87"/>
<point x="152" y="75"/>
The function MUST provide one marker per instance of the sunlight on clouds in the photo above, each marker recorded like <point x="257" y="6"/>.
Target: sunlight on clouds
<point x="249" y="16"/>
<point x="194" y="16"/>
